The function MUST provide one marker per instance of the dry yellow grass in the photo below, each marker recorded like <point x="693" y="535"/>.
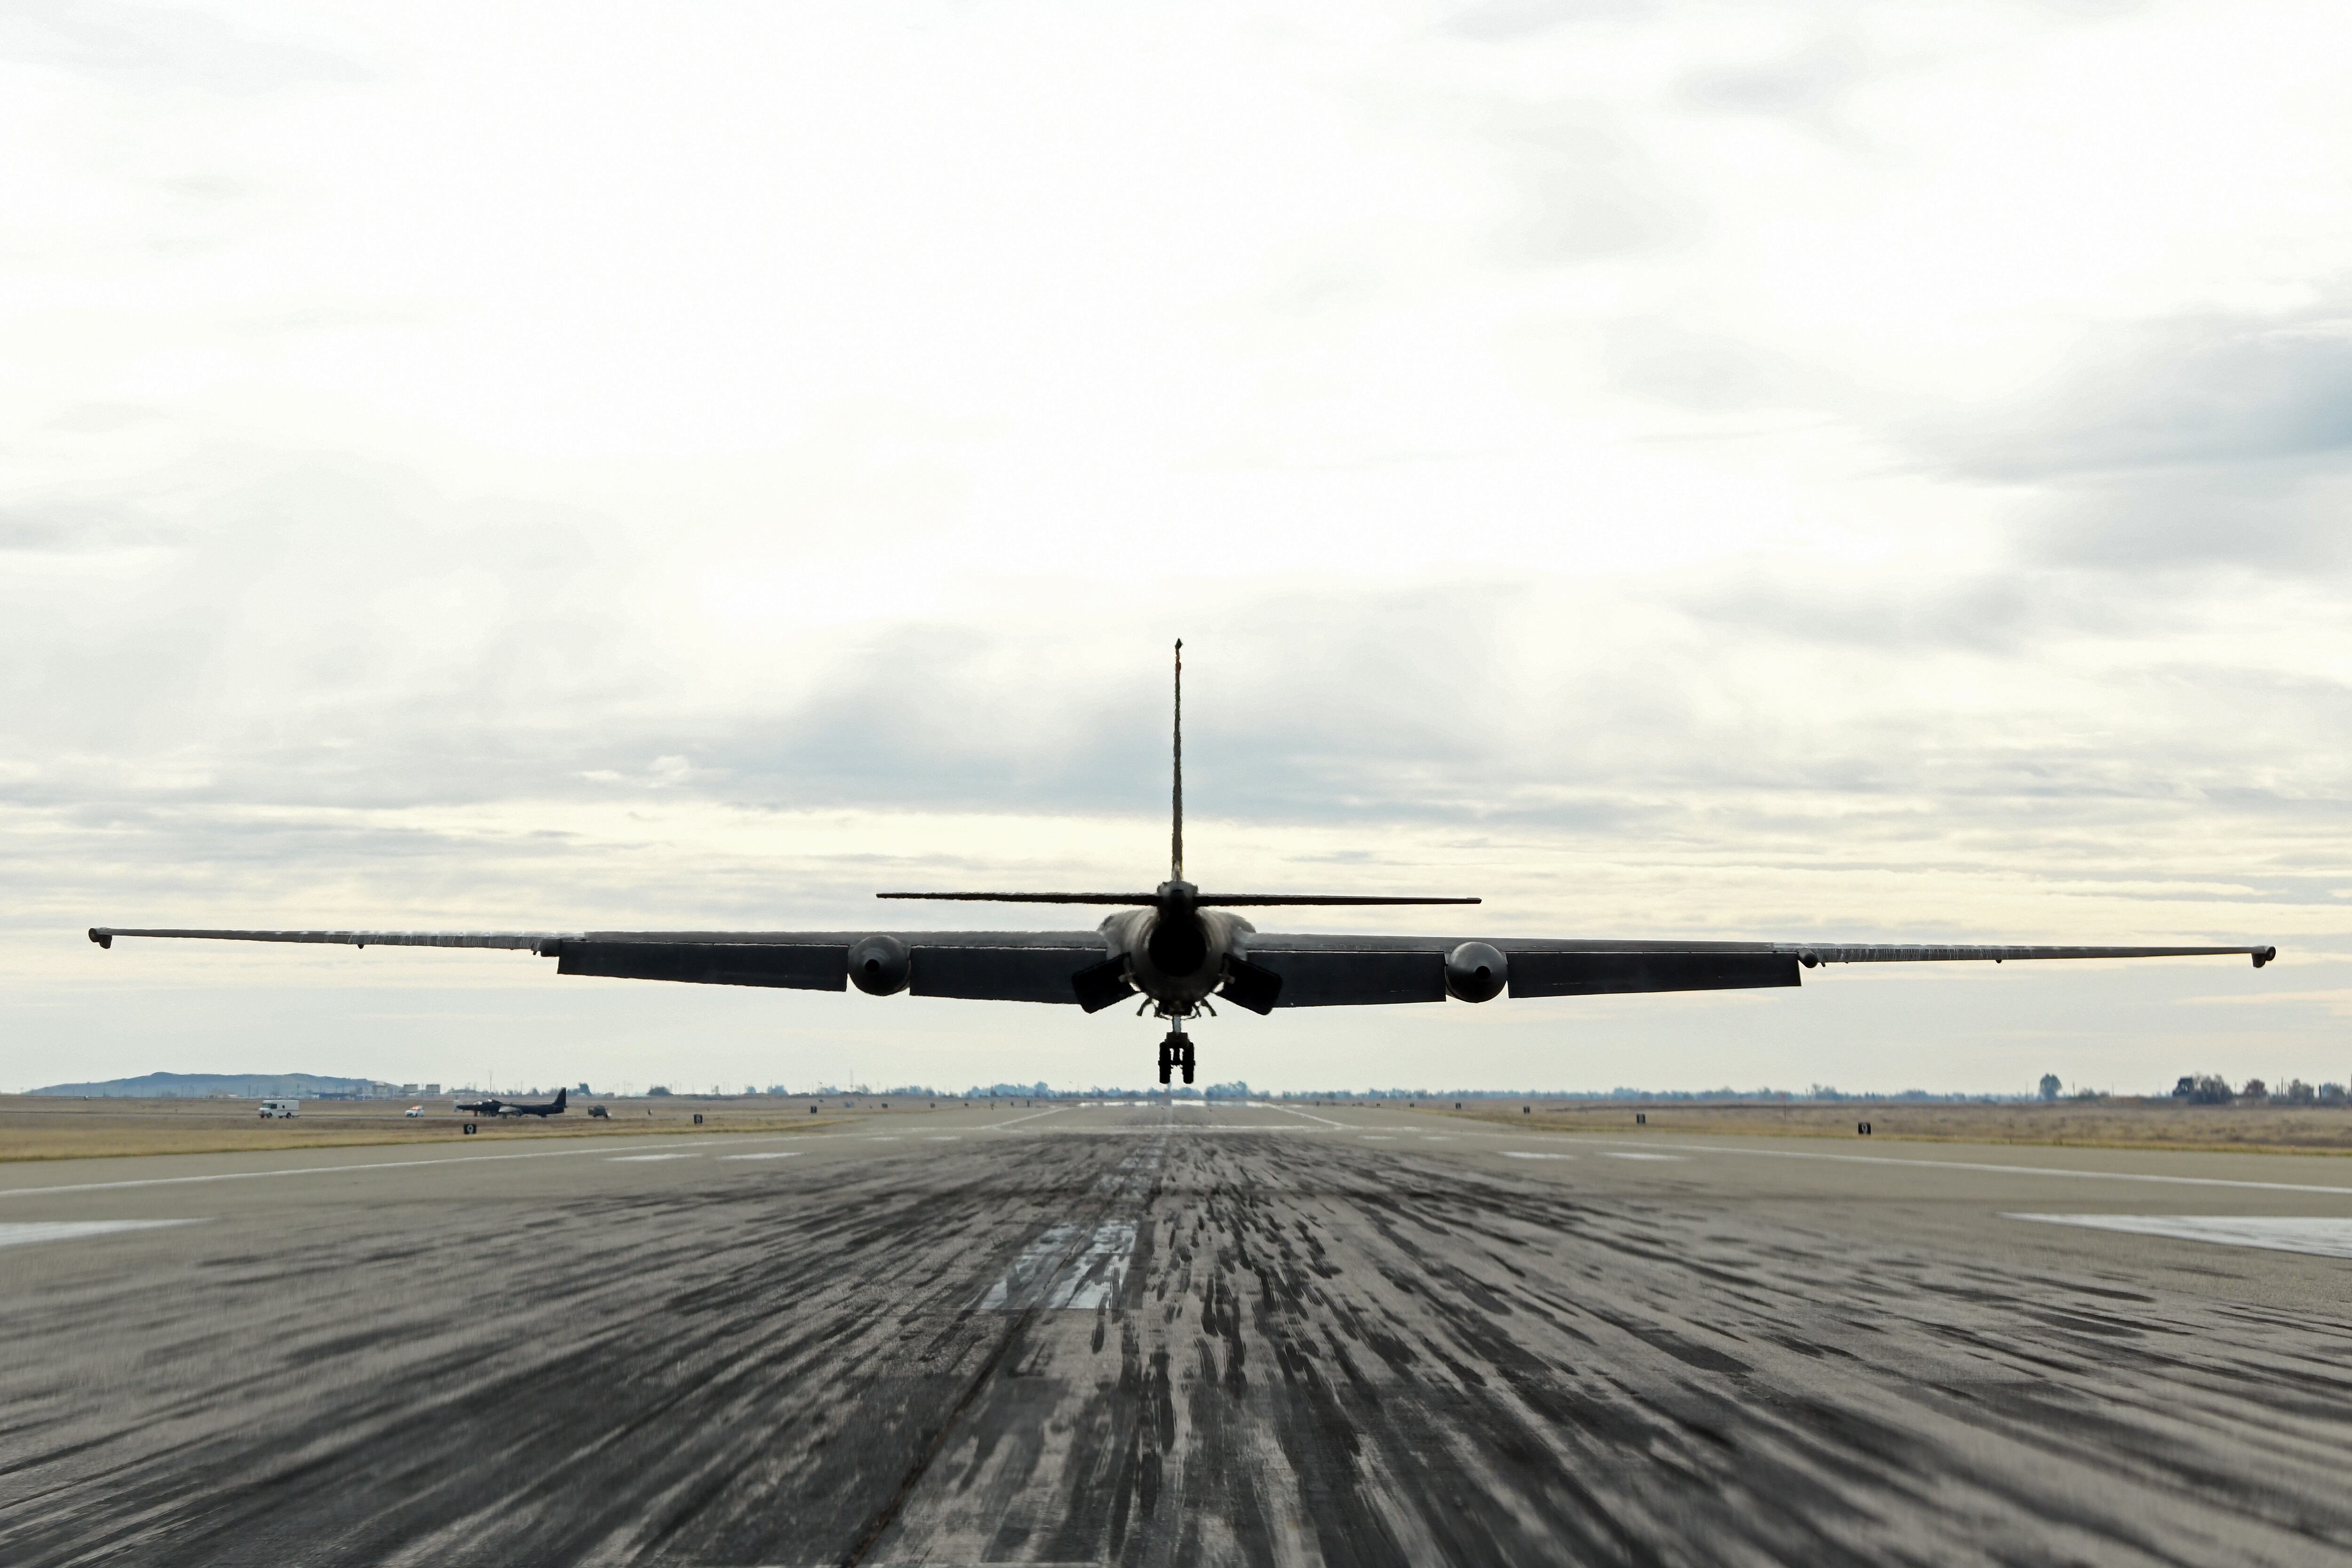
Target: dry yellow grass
<point x="45" y="1127"/>
<point x="2105" y="1123"/>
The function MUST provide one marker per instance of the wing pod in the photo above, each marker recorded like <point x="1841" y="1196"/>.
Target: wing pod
<point x="1476" y="972"/>
<point x="878" y="966"/>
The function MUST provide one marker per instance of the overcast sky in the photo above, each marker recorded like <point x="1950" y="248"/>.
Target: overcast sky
<point x="1749" y="470"/>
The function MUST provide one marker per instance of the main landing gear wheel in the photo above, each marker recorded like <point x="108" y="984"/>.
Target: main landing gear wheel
<point x="1176" y="1051"/>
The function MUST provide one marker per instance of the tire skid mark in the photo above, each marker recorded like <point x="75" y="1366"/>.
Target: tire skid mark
<point x="1316" y="1352"/>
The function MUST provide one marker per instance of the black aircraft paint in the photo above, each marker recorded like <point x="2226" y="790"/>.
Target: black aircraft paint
<point x="497" y="1107"/>
<point x="1179" y="947"/>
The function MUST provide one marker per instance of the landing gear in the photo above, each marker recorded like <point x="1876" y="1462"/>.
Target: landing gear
<point x="1176" y="1053"/>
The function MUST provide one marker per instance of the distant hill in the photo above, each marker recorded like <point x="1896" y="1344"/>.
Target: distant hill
<point x="195" y="1085"/>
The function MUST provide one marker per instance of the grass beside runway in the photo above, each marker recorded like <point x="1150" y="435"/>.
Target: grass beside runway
<point x="50" y="1127"/>
<point x="2113" y="1124"/>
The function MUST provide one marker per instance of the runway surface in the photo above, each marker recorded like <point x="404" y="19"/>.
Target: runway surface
<point x="1135" y="1334"/>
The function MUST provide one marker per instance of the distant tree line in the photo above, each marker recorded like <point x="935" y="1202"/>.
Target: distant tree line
<point x="2213" y="1089"/>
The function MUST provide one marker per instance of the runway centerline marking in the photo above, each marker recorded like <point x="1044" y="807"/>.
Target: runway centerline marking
<point x="21" y="1232"/>
<point x="623" y="1159"/>
<point x="1531" y="1154"/>
<point x="771" y="1154"/>
<point x="2322" y="1238"/>
<point x="2009" y="1170"/>
<point x="1616" y="1155"/>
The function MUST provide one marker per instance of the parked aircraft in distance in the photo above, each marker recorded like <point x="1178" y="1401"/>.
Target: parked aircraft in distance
<point x="1178" y="947"/>
<point x="497" y="1107"/>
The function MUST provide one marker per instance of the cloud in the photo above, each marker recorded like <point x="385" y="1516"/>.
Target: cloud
<point x="2196" y="440"/>
<point x="1806" y="86"/>
<point x="516" y="509"/>
<point x="1511" y="21"/>
<point x="2004" y="614"/>
<point x="2188" y="392"/>
<point x="142" y="45"/>
<point x="1582" y="193"/>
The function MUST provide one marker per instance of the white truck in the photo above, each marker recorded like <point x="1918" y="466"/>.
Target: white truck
<point x="271" y="1108"/>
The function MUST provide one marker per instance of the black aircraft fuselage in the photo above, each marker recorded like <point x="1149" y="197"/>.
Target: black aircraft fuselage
<point x="496" y="1107"/>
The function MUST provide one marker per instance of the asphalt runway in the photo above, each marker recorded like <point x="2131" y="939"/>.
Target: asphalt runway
<point x="1135" y="1334"/>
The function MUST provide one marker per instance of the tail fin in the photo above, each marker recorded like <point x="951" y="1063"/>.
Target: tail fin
<point x="559" y="1098"/>
<point x="1176" y="839"/>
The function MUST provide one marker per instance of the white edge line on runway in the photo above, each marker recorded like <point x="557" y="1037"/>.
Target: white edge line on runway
<point x="37" y="1230"/>
<point x="604" y="1149"/>
<point x="1983" y="1165"/>
<point x="1049" y="1111"/>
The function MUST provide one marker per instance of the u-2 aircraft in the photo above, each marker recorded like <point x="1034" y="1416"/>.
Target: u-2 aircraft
<point x="495" y="1107"/>
<point x="1180" y="948"/>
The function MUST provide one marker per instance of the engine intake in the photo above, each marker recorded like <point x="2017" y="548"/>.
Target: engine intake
<point x="879" y="966"/>
<point x="1476" y="972"/>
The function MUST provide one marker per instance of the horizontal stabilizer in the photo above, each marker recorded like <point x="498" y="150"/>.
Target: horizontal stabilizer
<point x="1130" y="899"/>
<point x="1144" y="900"/>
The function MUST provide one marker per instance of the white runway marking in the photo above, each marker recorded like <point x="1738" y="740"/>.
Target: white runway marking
<point x="639" y="1159"/>
<point x="1613" y="1156"/>
<point x="18" y="1234"/>
<point x="771" y="1155"/>
<point x="2325" y="1238"/>
<point x="1052" y="1111"/>
<point x="1531" y="1154"/>
<point x="944" y="1138"/>
<point x="885" y="1138"/>
<point x="425" y="1163"/>
<point x="1377" y="1139"/>
<point x="2009" y="1170"/>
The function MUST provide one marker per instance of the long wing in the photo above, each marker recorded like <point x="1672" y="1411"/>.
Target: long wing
<point x="1078" y="966"/>
<point x="1342" y="971"/>
<point x="982" y="966"/>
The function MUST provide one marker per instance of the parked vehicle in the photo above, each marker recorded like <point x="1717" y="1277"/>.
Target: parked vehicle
<point x="413" y="1110"/>
<point x="275" y="1108"/>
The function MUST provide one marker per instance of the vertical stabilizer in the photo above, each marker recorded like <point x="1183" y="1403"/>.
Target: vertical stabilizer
<point x="1176" y="838"/>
